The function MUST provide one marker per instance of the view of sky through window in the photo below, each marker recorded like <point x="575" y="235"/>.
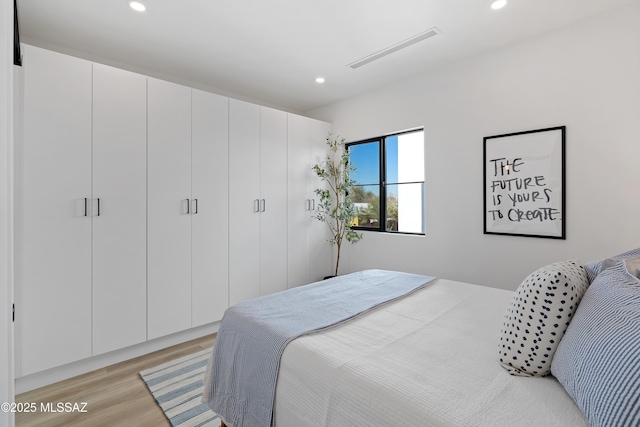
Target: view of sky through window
<point x="366" y="159"/>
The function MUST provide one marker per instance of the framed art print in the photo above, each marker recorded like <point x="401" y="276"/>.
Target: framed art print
<point x="524" y="189"/>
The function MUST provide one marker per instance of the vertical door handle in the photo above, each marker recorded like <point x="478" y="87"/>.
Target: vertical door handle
<point x="307" y="204"/>
<point x="256" y="205"/>
<point x="98" y="206"/>
<point x="313" y="204"/>
<point x="195" y="211"/>
<point x="86" y="207"/>
<point x="263" y="205"/>
<point x="188" y="203"/>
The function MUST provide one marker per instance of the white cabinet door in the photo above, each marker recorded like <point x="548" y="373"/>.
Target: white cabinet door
<point x="321" y="253"/>
<point x="244" y="197"/>
<point x="309" y="253"/>
<point x="119" y="215"/>
<point x="210" y="209"/>
<point x="169" y="222"/>
<point x="53" y="228"/>
<point x="299" y="201"/>
<point x="273" y="197"/>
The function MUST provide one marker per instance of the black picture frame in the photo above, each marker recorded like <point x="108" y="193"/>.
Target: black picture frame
<point x="524" y="183"/>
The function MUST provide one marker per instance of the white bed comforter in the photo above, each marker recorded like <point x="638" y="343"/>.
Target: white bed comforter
<point x="426" y="360"/>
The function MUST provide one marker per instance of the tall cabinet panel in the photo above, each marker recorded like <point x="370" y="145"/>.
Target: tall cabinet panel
<point x="53" y="223"/>
<point x="320" y="252"/>
<point x="244" y="201"/>
<point x="299" y="205"/>
<point x="119" y="208"/>
<point x="210" y="209"/>
<point x="309" y="253"/>
<point x="169" y="219"/>
<point x="273" y="200"/>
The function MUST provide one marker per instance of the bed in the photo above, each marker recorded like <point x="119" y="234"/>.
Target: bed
<point x="429" y="358"/>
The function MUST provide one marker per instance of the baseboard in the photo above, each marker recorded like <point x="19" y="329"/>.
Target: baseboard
<point x="60" y="373"/>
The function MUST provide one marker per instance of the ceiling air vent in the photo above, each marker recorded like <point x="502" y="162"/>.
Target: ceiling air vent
<point x="396" y="47"/>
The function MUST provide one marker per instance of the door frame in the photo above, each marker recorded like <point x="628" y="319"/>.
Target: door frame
<point x="7" y="393"/>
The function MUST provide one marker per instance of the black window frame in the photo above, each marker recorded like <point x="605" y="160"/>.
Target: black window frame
<point x="17" y="55"/>
<point x="381" y="140"/>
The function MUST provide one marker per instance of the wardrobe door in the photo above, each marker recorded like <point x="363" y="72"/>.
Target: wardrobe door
<point x="169" y="219"/>
<point x="321" y="253"/>
<point x="119" y="208"/>
<point x="53" y="222"/>
<point x="309" y="253"/>
<point x="273" y="200"/>
<point x="299" y="201"/>
<point x="210" y="207"/>
<point x="244" y="200"/>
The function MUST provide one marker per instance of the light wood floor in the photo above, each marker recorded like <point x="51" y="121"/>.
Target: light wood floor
<point x="115" y="395"/>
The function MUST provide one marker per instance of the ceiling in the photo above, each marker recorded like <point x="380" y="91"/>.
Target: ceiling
<point x="271" y="51"/>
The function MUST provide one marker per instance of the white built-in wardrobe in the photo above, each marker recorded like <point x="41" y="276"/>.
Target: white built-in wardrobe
<point x="144" y="208"/>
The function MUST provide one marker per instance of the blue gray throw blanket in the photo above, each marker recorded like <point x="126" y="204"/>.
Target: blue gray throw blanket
<point x="253" y="334"/>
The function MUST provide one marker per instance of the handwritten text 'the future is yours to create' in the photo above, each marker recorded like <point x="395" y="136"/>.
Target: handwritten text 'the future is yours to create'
<point x="510" y="193"/>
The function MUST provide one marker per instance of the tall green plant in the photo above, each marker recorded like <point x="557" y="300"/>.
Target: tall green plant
<point x="336" y="209"/>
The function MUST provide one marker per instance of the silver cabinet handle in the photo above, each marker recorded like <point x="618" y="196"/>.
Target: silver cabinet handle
<point x="263" y="205"/>
<point x="307" y="205"/>
<point x="188" y="203"/>
<point x="98" y="206"/>
<point x="196" y="207"/>
<point x="86" y="207"/>
<point x="256" y="205"/>
<point x="313" y="204"/>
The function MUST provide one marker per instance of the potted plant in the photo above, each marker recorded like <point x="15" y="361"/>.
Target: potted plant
<point x="336" y="209"/>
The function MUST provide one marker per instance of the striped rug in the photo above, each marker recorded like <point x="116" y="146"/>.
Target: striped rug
<point x="177" y="387"/>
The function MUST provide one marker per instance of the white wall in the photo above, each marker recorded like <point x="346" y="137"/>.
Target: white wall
<point x="585" y="76"/>
<point x="6" y="182"/>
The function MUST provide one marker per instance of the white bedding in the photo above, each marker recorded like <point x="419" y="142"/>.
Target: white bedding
<point x="429" y="359"/>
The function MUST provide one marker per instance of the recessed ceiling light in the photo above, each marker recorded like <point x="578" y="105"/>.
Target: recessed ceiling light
<point x="137" y="6"/>
<point x="320" y="80"/>
<point x="498" y="4"/>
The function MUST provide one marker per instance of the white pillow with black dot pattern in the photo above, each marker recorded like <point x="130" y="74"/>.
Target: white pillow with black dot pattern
<point x="538" y="316"/>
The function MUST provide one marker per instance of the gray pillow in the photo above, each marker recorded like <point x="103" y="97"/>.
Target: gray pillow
<point x="594" y="268"/>
<point x="633" y="266"/>
<point x="538" y="316"/>
<point x="598" y="360"/>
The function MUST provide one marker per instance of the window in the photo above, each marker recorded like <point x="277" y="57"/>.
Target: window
<point x="389" y="182"/>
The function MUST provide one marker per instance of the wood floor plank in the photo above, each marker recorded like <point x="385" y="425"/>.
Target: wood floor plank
<point x="115" y="395"/>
